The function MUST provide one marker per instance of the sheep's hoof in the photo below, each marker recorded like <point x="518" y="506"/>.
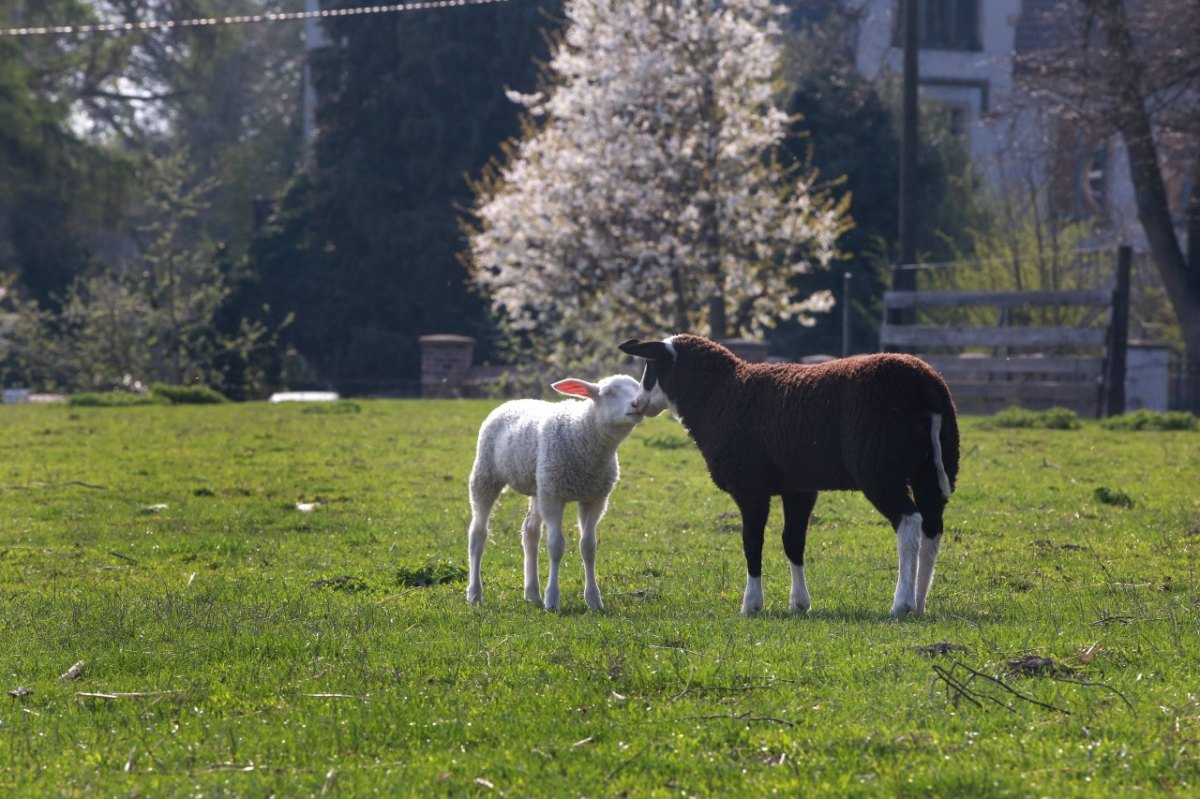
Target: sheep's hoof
<point x="551" y="600"/>
<point x="799" y="608"/>
<point x="752" y="602"/>
<point x="533" y="595"/>
<point x="749" y="608"/>
<point x="901" y="609"/>
<point x="475" y="595"/>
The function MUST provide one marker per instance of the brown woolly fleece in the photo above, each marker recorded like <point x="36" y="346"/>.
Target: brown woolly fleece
<point x="856" y="423"/>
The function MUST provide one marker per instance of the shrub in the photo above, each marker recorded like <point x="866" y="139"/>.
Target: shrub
<point x="1152" y="420"/>
<point x="334" y="408"/>
<point x="345" y="582"/>
<point x="113" y="399"/>
<point x="187" y="395"/>
<point x="1049" y="419"/>
<point x="434" y="572"/>
<point x="1113" y="496"/>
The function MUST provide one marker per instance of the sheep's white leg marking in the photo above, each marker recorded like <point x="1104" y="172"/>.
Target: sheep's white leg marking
<point x="552" y="513"/>
<point x="935" y="430"/>
<point x="799" y="601"/>
<point x="531" y="537"/>
<point x="926" y="560"/>
<point x="589" y="517"/>
<point x="482" y="500"/>
<point x="908" y="542"/>
<point x="752" y="600"/>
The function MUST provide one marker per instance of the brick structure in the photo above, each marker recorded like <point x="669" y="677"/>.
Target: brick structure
<point x="445" y="363"/>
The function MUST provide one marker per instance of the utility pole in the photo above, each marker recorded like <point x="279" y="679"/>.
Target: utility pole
<point x="905" y="279"/>
<point x="314" y="39"/>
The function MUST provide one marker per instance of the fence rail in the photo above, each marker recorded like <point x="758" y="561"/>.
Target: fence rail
<point x="1080" y="366"/>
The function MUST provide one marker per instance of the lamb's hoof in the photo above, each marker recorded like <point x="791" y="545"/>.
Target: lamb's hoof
<point x="593" y="602"/>
<point x="533" y="595"/>
<point x="799" y="608"/>
<point x="551" y="602"/>
<point x="475" y="595"/>
<point x="901" y="609"/>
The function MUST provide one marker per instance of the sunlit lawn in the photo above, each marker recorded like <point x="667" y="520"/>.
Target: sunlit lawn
<point x="236" y="645"/>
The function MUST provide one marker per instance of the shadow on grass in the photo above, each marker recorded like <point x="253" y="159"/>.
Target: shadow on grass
<point x="851" y="615"/>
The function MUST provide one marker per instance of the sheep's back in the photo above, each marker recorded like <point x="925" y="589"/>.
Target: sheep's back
<point x="507" y="450"/>
<point x="819" y="427"/>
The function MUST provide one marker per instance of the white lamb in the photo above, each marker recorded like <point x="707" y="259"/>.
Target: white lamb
<point x="554" y="453"/>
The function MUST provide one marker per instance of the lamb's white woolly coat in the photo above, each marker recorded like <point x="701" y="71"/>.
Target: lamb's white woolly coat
<point x="556" y="448"/>
<point x="554" y="453"/>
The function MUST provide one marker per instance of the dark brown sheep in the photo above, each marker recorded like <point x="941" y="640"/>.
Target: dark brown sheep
<point x="881" y="424"/>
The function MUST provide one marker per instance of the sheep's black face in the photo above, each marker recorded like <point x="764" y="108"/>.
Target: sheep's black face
<point x="659" y="357"/>
<point x="650" y="375"/>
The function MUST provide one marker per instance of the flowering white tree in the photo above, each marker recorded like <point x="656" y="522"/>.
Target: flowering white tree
<point x="646" y="194"/>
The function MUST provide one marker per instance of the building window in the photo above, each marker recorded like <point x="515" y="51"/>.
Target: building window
<point x="1091" y="182"/>
<point x="958" y="118"/>
<point x="1079" y="175"/>
<point x="943" y="24"/>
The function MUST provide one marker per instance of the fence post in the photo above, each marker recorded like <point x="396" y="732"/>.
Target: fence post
<point x="845" y="314"/>
<point x="1118" y="342"/>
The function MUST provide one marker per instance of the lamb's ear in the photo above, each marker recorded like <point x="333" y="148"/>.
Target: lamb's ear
<point x="573" y="387"/>
<point x="650" y="350"/>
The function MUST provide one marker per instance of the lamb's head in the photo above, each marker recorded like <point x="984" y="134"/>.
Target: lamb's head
<point x="615" y="398"/>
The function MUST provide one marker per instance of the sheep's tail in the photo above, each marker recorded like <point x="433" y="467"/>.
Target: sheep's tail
<point x="943" y="433"/>
<point x="935" y="431"/>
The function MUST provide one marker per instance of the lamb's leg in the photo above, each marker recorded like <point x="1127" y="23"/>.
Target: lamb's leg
<point x="552" y="513"/>
<point x="797" y="508"/>
<point x="755" y="510"/>
<point x="531" y="537"/>
<point x="589" y="517"/>
<point x="483" y="497"/>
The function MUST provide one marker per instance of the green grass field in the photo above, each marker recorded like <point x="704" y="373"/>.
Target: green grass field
<point x="238" y="646"/>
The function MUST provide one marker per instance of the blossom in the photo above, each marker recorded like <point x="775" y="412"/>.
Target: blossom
<point x="648" y="190"/>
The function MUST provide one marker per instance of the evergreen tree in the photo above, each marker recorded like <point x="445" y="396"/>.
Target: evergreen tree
<point x="364" y="249"/>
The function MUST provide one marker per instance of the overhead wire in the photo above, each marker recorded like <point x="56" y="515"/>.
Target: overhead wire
<point x="199" y="22"/>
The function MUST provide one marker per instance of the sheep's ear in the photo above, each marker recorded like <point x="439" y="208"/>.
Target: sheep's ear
<point x="573" y="387"/>
<point x="650" y="350"/>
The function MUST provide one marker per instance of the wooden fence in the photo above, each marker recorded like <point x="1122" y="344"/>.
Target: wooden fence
<point x="1079" y="367"/>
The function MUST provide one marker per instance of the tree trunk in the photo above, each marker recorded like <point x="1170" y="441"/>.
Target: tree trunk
<point x="1191" y="330"/>
<point x="1193" y="230"/>
<point x="1179" y="275"/>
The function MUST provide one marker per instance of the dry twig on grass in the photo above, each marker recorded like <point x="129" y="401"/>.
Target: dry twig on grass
<point x="73" y="672"/>
<point x="962" y="688"/>
<point x="127" y="694"/>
